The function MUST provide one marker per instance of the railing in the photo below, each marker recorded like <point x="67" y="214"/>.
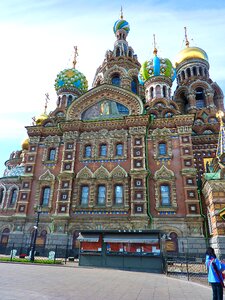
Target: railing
<point x="191" y="268"/>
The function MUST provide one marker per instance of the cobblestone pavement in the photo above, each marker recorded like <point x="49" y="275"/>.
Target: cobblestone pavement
<point x="31" y="282"/>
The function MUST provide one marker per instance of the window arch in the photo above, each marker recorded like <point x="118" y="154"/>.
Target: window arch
<point x="13" y="198"/>
<point x="84" y="195"/>
<point x="118" y="194"/>
<point x="87" y="151"/>
<point x="151" y="92"/>
<point x="1" y="195"/>
<point x="165" y="194"/>
<point x="69" y="100"/>
<point x="194" y="71"/>
<point x="118" y="51"/>
<point x="51" y="154"/>
<point x="45" y="196"/>
<point x="103" y="150"/>
<point x="134" y="85"/>
<point x="101" y="198"/>
<point x="200" y="71"/>
<point x="116" y="80"/>
<point x="188" y="72"/>
<point x="119" y="149"/>
<point x="182" y="75"/>
<point x="200" y="97"/>
<point x="164" y="91"/>
<point x="5" y="237"/>
<point x="162" y="148"/>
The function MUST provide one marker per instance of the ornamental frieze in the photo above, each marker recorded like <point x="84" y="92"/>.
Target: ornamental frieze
<point x="70" y="135"/>
<point x="137" y="130"/>
<point x="34" y="139"/>
<point x="52" y="141"/>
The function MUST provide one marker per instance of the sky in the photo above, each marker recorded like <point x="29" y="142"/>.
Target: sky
<point x="38" y="39"/>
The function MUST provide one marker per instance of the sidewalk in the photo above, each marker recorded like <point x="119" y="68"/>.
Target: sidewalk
<point x="32" y="282"/>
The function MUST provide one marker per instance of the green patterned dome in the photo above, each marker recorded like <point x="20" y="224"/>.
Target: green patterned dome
<point x="156" y="67"/>
<point x="71" y="79"/>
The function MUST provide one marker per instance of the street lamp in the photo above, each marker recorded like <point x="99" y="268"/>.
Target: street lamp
<point x="32" y="252"/>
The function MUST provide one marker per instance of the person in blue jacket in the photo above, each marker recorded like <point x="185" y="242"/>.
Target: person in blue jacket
<point x="215" y="268"/>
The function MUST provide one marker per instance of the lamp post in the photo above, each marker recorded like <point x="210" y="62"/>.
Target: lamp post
<point x="32" y="253"/>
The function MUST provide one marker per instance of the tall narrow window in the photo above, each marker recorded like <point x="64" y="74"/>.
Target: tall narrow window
<point x="84" y="195"/>
<point x="164" y="91"/>
<point x="158" y="91"/>
<point x="134" y="85"/>
<point x="151" y="93"/>
<point x="162" y="148"/>
<point x="69" y="100"/>
<point x="101" y="194"/>
<point x="200" y="98"/>
<point x="87" y="151"/>
<point x="13" y="197"/>
<point x="118" y="194"/>
<point x="51" y="154"/>
<point x="1" y="195"/>
<point x="103" y="150"/>
<point x="5" y="237"/>
<point x="165" y="194"/>
<point x="116" y="80"/>
<point x="45" y="197"/>
<point x="119" y="150"/>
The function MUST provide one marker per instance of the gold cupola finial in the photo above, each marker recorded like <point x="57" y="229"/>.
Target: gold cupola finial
<point x="220" y="115"/>
<point x="155" y="51"/>
<point x="186" y="38"/>
<point x="121" y="13"/>
<point x="46" y="102"/>
<point x="75" y="56"/>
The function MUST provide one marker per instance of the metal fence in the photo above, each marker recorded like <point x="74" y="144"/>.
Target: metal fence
<point x="53" y="252"/>
<point x="191" y="268"/>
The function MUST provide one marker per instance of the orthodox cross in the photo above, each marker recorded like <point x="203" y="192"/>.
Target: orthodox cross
<point x="186" y="38"/>
<point x="46" y="102"/>
<point x="75" y="56"/>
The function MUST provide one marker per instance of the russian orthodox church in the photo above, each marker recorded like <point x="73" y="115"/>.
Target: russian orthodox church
<point x="127" y="154"/>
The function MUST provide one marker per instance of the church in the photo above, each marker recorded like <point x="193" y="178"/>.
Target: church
<point x="127" y="155"/>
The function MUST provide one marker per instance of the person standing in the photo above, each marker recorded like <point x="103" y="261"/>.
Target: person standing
<point x="215" y="268"/>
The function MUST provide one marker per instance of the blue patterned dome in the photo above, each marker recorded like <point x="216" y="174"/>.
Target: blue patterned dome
<point x="121" y="24"/>
<point x="71" y="79"/>
<point x="156" y="67"/>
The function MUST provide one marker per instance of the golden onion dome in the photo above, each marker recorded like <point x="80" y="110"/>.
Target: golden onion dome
<point x="190" y="53"/>
<point x="25" y="144"/>
<point x="41" y="118"/>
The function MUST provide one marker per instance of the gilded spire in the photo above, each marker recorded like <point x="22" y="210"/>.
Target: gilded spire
<point x="221" y="140"/>
<point x="186" y="38"/>
<point x="75" y="56"/>
<point x="155" y="51"/>
<point x="121" y="13"/>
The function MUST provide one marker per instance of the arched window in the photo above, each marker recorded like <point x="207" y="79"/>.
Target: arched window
<point x="151" y="93"/>
<point x="188" y="72"/>
<point x="118" y="51"/>
<point x="119" y="150"/>
<point x="84" y="195"/>
<point x="101" y="195"/>
<point x="13" y="197"/>
<point x="45" y="196"/>
<point x="134" y="85"/>
<point x="194" y="71"/>
<point x="165" y="194"/>
<point x="116" y="80"/>
<point x="118" y="194"/>
<point x="200" y="71"/>
<point x="182" y="75"/>
<point x="69" y="100"/>
<point x="130" y="53"/>
<point x="1" y="195"/>
<point x="51" y="154"/>
<point x="103" y="150"/>
<point x="87" y="151"/>
<point x="162" y="149"/>
<point x="200" y="98"/>
<point x="164" y="91"/>
<point x="5" y="237"/>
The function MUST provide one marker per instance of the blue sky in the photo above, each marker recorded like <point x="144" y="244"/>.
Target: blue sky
<point x="37" y="39"/>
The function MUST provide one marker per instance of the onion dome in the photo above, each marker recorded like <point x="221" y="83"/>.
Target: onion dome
<point x="121" y="24"/>
<point x="25" y="144"/>
<point x="39" y="120"/>
<point x="156" y="67"/>
<point x="190" y="52"/>
<point x="71" y="79"/>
